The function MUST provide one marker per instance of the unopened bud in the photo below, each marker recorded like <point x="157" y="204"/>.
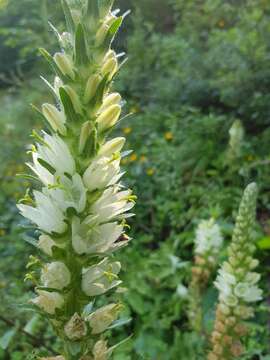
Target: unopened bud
<point x="74" y="99"/>
<point x="91" y="87"/>
<point x="110" y="67"/>
<point x="111" y="147"/>
<point x="75" y="329"/>
<point x="112" y="99"/>
<point x="101" y="34"/>
<point x="64" y="64"/>
<point x="237" y="349"/>
<point x="55" y="118"/>
<point x="100" y="350"/>
<point x="85" y="133"/>
<point x="109" y="117"/>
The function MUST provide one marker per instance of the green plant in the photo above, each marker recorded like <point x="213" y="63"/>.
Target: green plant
<point x="81" y="208"/>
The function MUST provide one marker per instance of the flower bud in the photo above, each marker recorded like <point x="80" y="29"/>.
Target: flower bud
<point x="64" y="64"/>
<point x="85" y="133"/>
<point x="109" y="55"/>
<point x="100" y="350"/>
<point x="48" y="301"/>
<point x="75" y="329"/>
<point x="110" y="67"/>
<point x="101" y="319"/>
<point x="101" y="34"/>
<point x="55" y="118"/>
<point x="109" y="117"/>
<point x="112" y="99"/>
<point x="91" y="87"/>
<point x="55" y="275"/>
<point x="74" y="99"/>
<point x="111" y="147"/>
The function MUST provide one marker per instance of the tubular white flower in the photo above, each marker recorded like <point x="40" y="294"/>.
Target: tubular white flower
<point x="55" y="275"/>
<point x="46" y="243"/>
<point x="101" y="173"/>
<point x="110" y="205"/>
<point x="70" y="193"/>
<point x="100" y="278"/>
<point x="102" y="318"/>
<point x="97" y="239"/>
<point x="48" y="301"/>
<point x="56" y="153"/>
<point x="46" y="215"/>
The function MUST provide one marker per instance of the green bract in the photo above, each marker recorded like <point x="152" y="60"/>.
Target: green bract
<point x="81" y="207"/>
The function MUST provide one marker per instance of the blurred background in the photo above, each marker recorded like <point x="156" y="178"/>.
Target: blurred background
<point x="198" y="85"/>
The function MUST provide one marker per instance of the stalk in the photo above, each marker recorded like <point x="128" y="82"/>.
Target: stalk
<point x="81" y="207"/>
<point x="237" y="283"/>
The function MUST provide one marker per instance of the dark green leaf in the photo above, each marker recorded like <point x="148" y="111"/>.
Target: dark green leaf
<point x="68" y="105"/>
<point x="80" y="46"/>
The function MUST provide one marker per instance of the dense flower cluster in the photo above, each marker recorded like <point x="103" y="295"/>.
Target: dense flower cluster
<point x="81" y="208"/>
<point x="237" y="283"/>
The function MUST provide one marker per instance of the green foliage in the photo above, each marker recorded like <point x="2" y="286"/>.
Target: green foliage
<point x="186" y="85"/>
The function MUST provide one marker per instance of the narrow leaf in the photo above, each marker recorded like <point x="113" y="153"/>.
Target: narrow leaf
<point x="6" y="338"/>
<point x="93" y="8"/>
<point x="68" y="106"/>
<point x="68" y="16"/>
<point x="80" y="46"/>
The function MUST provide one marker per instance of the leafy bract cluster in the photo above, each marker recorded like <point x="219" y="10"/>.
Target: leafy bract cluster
<point x="81" y="208"/>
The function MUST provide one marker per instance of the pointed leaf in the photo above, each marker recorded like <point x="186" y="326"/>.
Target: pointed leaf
<point x="80" y="46"/>
<point x="6" y="338"/>
<point x="68" y="16"/>
<point x="113" y="31"/>
<point x="47" y="56"/>
<point x="68" y="106"/>
<point x="93" y="8"/>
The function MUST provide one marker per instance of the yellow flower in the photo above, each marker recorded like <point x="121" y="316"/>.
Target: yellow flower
<point x="143" y="159"/>
<point x="134" y="109"/>
<point x="133" y="157"/>
<point x="168" y="135"/>
<point x="2" y="232"/>
<point x="127" y="130"/>
<point x="150" y="172"/>
<point x="221" y="23"/>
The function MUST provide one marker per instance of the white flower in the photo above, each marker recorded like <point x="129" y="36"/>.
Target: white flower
<point x="101" y="351"/>
<point x="71" y="193"/>
<point x="248" y="292"/>
<point x="96" y="239"/>
<point x="182" y="291"/>
<point x="110" y="205"/>
<point x="98" y="279"/>
<point x="46" y="243"/>
<point x="55" y="275"/>
<point x="102" y="318"/>
<point x="208" y="237"/>
<point x="57" y="154"/>
<point x="101" y="173"/>
<point x="46" y="215"/>
<point x="44" y="175"/>
<point x="48" y="301"/>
